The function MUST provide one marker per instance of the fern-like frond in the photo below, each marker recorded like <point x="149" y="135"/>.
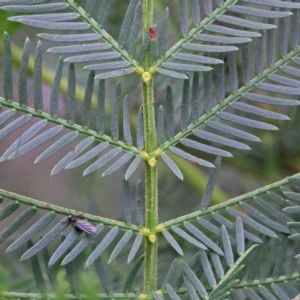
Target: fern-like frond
<point x="243" y="248"/>
<point x="42" y="16"/>
<point x="256" y="211"/>
<point x="76" y="241"/>
<point x="214" y="103"/>
<point x="209" y="286"/>
<point x="71" y="247"/>
<point x="38" y="133"/>
<point x="220" y="116"/>
<point x="198" y="33"/>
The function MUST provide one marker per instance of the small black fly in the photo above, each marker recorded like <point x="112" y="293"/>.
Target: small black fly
<point x="82" y="225"/>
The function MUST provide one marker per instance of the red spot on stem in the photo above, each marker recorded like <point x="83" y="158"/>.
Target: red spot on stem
<point x="152" y="34"/>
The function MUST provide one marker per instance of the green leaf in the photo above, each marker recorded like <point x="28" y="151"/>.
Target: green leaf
<point x="49" y="237"/>
<point x="105" y="5"/>
<point x="114" y="127"/>
<point x="121" y="244"/>
<point x="55" y="89"/>
<point x="275" y="3"/>
<point x="7" y="69"/>
<point x="37" y="272"/>
<point x="108" y="66"/>
<point x="88" y="155"/>
<point x="86" y="105"/>
<point x="172" y="165"/>
<point x="162" y="34"/>
<point x="172" y="241"/>
<point x="170" y="274"/>
<point x="191" y="158"/>
<point x="205" y="148"/>
<point x="110" y="236"/>
<point x="172" y="293"/>
<point x="37" y="88"/>
<point x="37" y="141"/>
<point x="169" y="113"/>
<point x="135" y="247"/>
<point x="59" y="144"/>
<point x="185" y="67"/>
<point x="72" y="155"/>
<point x="6" y="115"/>
<point x="240" y="239"/>
<point x="102" y="161"/>
<point x="247" y="220"/>
<point x="64" y="246"/>
<point x="259" y="12"/>
<point x="245" y="23"/>
<point x="81" y="246"/>
<point x="133" y="166"/>
<point x="203" y="238"/>
<point x="207" y="268"/>
<point x="67" y="38"/>
<point x="211" y="184"/>
<point x="35" y="8"/>
<point x="116" y="73"/>
<point x="232" y="131"/>
<point x="132" y="41"/>
<point x="31" y="232"/>
<point x="230" y="31"/>
<point x="188" y="238"/>
<point x="8" y="210"/>
<point x="197" y="58"/>
<point x="221" y="39"/>
<point x="171" y="73"/>
<point x="183" y="17"/>
<point x="195" y="281"/>
<point x="103" y="276"/>
<point x="118" y="164"/>
<point x="79" y="48"/>
<point x="127" y="22"/>
<point x="17" y="223"/>
<point x="245" y="121"/>
<point x="23" y="73"/>
<point x="132" y="274"/>
<point x="54" y="25"/>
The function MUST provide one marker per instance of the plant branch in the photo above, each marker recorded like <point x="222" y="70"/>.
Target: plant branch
<point x="74" y="127"/>
<point x="248" y="284"/>
<point x="267" y="281"/>
<point x="65" y="211"/>
<point x="228" y="203"/>
<point x="47" y="75"/>
<point x="190" y="36"/>
<point x="236" y="95"/>
<point x="101" y="32"/>
<point x="18" y="295"/>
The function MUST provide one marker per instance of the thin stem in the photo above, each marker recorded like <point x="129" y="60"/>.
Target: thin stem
<point x="99" y="137"/>
<point x="17" y="295"/>
<point x="150" y="269"/>
<point x="66" y="211"/>
<point x="247" y="284"/>
<point x="234" y="201"/>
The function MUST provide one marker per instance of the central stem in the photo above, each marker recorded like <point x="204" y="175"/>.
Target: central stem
<point x="151" y="199"/>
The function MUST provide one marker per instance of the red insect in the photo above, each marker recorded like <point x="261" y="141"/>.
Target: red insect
<point x="152" y="34"/>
